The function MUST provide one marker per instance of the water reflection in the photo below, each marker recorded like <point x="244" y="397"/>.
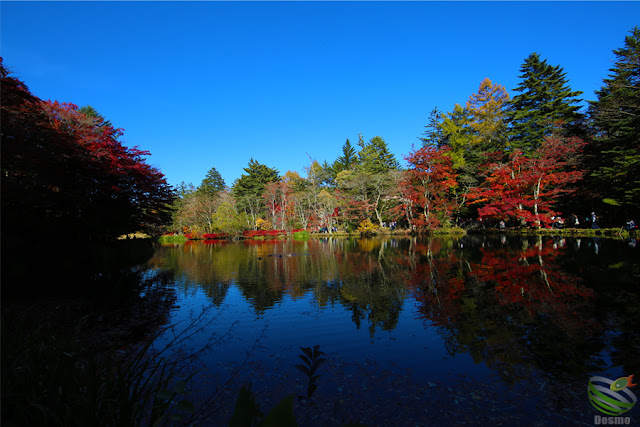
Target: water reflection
<point x="516" y="305"/>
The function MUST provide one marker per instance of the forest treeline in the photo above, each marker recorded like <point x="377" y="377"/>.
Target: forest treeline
<point x="523" y="159"/>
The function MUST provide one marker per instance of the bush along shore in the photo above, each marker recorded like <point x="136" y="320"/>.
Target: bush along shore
<point x="454" y="231"/>
<point x="573" y="232"/>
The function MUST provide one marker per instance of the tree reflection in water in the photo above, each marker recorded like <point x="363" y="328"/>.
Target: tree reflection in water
<point x="516" y="305"/>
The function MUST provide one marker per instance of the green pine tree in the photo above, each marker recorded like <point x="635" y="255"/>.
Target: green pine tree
<point x="256" y="178"/>
<point x="616" y="120"/>
<point x="375" y="157"/>
<point x="544" y="105"/>
<point x="347" y="161"/>
<point x="433" y="130"/>
<point x="212" y="184"/>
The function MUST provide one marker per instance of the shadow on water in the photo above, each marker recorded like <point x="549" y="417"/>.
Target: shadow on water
<point x="71" y="269"/>
<point x="73" y="320"/>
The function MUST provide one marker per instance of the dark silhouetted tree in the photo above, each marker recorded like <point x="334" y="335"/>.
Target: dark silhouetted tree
<point x="616" y="118"/>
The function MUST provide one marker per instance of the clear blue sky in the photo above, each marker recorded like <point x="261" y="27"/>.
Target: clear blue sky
<point x="212" y="84"/>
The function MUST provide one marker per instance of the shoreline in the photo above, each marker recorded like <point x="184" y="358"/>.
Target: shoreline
<point x="615" y="233"/>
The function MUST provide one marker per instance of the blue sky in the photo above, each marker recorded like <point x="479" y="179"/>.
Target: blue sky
<point x="213" y="84"/>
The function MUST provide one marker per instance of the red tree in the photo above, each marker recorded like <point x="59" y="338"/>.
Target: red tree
<point x="65" y="172"/>
<point x="426" y="189"/>
<point x="525" y="188"/>
<point x="122" y="193"/>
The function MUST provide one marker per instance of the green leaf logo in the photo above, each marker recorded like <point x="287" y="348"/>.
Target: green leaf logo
<point x="607" y="397"/>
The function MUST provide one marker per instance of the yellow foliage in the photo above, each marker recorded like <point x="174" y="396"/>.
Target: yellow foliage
<point x="263" y="224"/>
<point x="367" y="226"/>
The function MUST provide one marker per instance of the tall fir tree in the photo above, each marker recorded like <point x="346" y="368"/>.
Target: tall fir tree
<point x="544" y="105"/>
<point x="615" y="115"/>
<point x="248" y="190"/>
<point x="256" y="178"/>
<point x="375" y="157"/>
<point x="433" y="136"/>
<point x="347" y="161"/>
<point x="212" y="184"/>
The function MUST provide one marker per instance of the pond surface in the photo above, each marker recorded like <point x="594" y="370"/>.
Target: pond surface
<point x="470" y="330"/>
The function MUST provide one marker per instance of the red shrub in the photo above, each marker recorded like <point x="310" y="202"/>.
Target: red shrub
<point x="214" y="236"/>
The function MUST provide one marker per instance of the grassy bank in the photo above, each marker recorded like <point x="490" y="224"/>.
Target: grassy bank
<point x="449" y="231"/>
<point x="170" y="239"/>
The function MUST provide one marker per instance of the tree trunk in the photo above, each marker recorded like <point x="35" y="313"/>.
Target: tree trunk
<point x="378" y="211"/>
<point x="536" y="194"/>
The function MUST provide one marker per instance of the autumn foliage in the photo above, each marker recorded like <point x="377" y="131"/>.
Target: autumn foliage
<point x="263" y="233"/>
<point x="426" y="188"/>
<point x="66" y="172"/>
<point x="525" y="188"/>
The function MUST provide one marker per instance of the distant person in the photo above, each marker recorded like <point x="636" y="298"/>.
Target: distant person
<point x="631" y="225"/>
<point x="594" y="221"/>
<point x="573" y="221"/>
<point x="502" y="225"/>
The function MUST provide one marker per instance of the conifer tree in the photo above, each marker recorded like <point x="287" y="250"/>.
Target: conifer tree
<point x="616" y="119"/>
<point x="433" y="135"/>
<point x="257" y="177"/>
<point x="249" y="187"/>
<point x="212" y="184"/>
<point x="375" y="156"/>
<point x="488" y="116"/>
<point x="347" y="161"/>
<point x="545" y="103"/>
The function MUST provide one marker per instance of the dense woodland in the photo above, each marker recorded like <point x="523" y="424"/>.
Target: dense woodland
<point x="522" y="158"/>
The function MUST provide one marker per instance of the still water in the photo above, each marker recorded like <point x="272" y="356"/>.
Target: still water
<point x="469" y="330"/>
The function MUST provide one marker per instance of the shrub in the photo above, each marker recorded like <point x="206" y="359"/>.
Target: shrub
<point x="367" y="227"/>
<point x="262" y="233"/>
<point x="209" y="236"/>
<point x="301" y="234"/>
<point x="170" y="238"/>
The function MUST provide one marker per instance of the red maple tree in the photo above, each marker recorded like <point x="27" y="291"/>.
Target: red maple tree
<point x="425" y="191"/>
<point x="65" y="172"/>
<point x="526" y="188"/>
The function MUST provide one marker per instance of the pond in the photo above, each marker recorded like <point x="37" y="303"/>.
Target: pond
<point x="415" y="331"/>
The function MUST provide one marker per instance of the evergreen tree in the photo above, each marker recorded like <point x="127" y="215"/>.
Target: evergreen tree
<point x="616" y="119"/>
<point x="375" y="157"/>
<point x="545" y="102"/>
<point x="347" y="161"/>
<point x="248" y="190"/>
<point x="212" y="184"/>
<point x="433" y="135"/>
<point x="91" y="112"/>
<point x="328" y="174"/>
<point x="257" y="177"/>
